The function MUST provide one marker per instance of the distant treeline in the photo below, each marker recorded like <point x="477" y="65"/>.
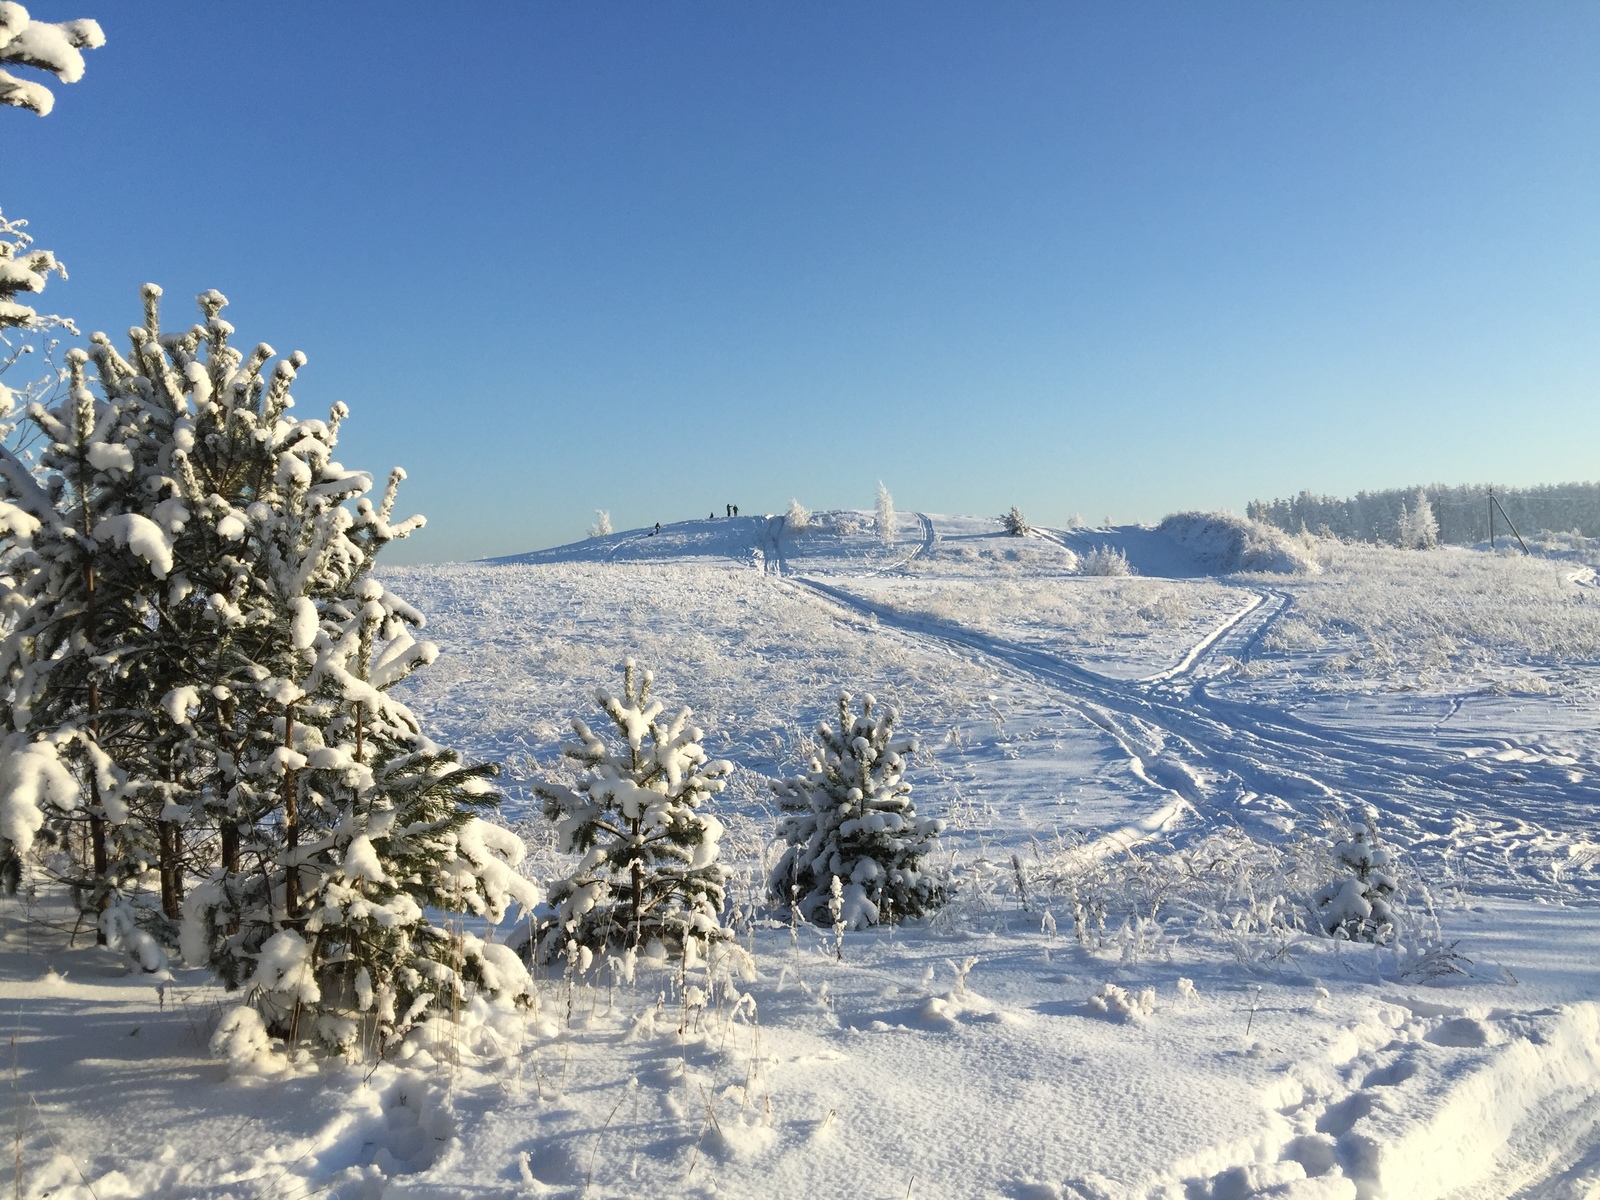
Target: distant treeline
<point x="1462" y="512"/>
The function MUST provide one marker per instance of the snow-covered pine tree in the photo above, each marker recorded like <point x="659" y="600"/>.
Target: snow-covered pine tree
<point x="1355" y="904"/>
<point x="213" y="649"/>
<point x="851" y="819"/>
<point x="87" y="567"/>
<point x="886" y="520"/>
<point x="1016" y="524"/>
<point x="649" y="868"/>
<point x="42" y="46"/>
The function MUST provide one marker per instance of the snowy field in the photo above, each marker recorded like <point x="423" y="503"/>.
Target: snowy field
<point x="1142" y="777"/>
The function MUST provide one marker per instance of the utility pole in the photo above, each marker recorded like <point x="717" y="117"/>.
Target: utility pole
<point x="1491" y="518"/>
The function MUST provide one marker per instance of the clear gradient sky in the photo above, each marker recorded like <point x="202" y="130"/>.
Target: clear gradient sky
<point x="1113" y="259"/>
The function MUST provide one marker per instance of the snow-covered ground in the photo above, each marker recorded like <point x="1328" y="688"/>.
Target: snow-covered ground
<point x="1140" y="775"/>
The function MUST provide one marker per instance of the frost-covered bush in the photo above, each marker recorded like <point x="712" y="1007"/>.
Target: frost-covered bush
<point x="602" y="524"/>
<point x="649" y="868"/>
<point x="1354" y="905"/>
<point x="1105" y="560"/>
<point x="1224" y="543"/>
<point x="798" y="518"/>
<point x="1016" y="524"/>
<point x="41" y="46"/>
<point x="851" y="820"/>
<point x="886" y="519"/>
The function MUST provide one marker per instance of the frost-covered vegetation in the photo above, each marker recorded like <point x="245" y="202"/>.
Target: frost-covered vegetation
<point x="1226" y="543"/>
<point x="1462" y="512"/>
<point x="1508" y="621"/>
<point x="41" y="46"/>
<point x="1142" y="890"/>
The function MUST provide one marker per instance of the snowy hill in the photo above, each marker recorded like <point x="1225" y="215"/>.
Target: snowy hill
<point x="845" y="542"/>
<point x="1144" y="779"/>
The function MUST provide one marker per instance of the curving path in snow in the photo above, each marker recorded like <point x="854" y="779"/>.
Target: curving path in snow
<point x="1532" y="1101"/>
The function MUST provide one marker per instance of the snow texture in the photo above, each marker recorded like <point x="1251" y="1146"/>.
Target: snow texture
<point x="1129" y="994"/>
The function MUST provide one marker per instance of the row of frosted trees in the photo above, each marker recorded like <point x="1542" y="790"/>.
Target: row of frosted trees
<point x="1462" y="513"/>
<point x="649" y="869"/>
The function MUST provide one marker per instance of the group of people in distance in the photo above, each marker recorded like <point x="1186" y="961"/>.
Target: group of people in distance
<point x="732" y="510"/>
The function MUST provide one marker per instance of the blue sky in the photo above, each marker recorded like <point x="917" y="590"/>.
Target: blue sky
<point x="1111" y="259"/>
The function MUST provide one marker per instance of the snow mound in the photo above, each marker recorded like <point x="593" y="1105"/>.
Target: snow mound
<point x="1225" y="543"/>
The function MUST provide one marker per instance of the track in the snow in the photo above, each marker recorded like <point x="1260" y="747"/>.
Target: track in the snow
<point x="1240" y="761"/>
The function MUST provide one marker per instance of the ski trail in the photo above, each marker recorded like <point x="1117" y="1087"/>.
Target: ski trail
<point x="1148" y="751"/>
<point x="1216" y="635"/>
<point x="1255" y="764"/>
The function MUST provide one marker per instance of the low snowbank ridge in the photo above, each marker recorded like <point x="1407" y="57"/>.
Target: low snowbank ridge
<point x="1225" y="543"/>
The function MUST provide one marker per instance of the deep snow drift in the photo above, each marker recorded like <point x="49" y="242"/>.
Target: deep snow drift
<point x="1143" y="778"/>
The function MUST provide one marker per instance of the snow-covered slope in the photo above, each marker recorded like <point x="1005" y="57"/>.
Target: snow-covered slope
<point x="1082" y="1021"/>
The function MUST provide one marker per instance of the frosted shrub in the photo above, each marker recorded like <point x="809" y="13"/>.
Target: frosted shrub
<point x="1417" y="528"/>
<point x="849" y="824"/>
<point x="1225" y="542"/>
<point x="798" y="518"/>
<point x="1354" y="905"/>
<point x="886" y="519"/>
<point x="602" y="524"/>
<point x="1105" y="560"/>
<point x="1016" y="524"/>
<point x="649" y="866"/>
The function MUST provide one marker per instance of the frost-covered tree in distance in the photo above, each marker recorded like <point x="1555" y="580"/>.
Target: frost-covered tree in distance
<point x="851" y="819"/>
<point x="886" y="519"/>
<point x="1418" y="529"/>
<point x="56" y="48"/>
<point x="649" y="868"/>
<point x="602" y="524"/>
<point x="1016" y="524"/>
<point x="798" y="518"/>
<point x="1355" y="905"/>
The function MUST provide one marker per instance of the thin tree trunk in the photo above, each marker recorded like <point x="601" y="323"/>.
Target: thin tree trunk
<point x="637" y="899"/>
<point x="171" y="883"/>
<point x="291" y="824"/>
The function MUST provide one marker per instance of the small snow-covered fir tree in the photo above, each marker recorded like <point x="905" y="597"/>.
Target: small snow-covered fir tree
<point x="851" y="820"/>
<point x="1016" y="524"/>
<point x="798" y="518"/>
<point x="602" y="524"/>
<point x="41" y="46"/>
<point x="1354" y="905"/>
<point x="886" y="520"/>
<point x="649" y="868"/>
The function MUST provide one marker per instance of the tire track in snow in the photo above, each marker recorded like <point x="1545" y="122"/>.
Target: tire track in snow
<point x="1257" y="764"/>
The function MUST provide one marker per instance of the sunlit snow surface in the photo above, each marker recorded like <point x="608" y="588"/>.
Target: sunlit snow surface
<point x="1217" y="722"/>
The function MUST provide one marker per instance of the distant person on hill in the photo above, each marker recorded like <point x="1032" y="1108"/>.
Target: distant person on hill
<point x="736" y="510"/>
<point x="658" y="528"/>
